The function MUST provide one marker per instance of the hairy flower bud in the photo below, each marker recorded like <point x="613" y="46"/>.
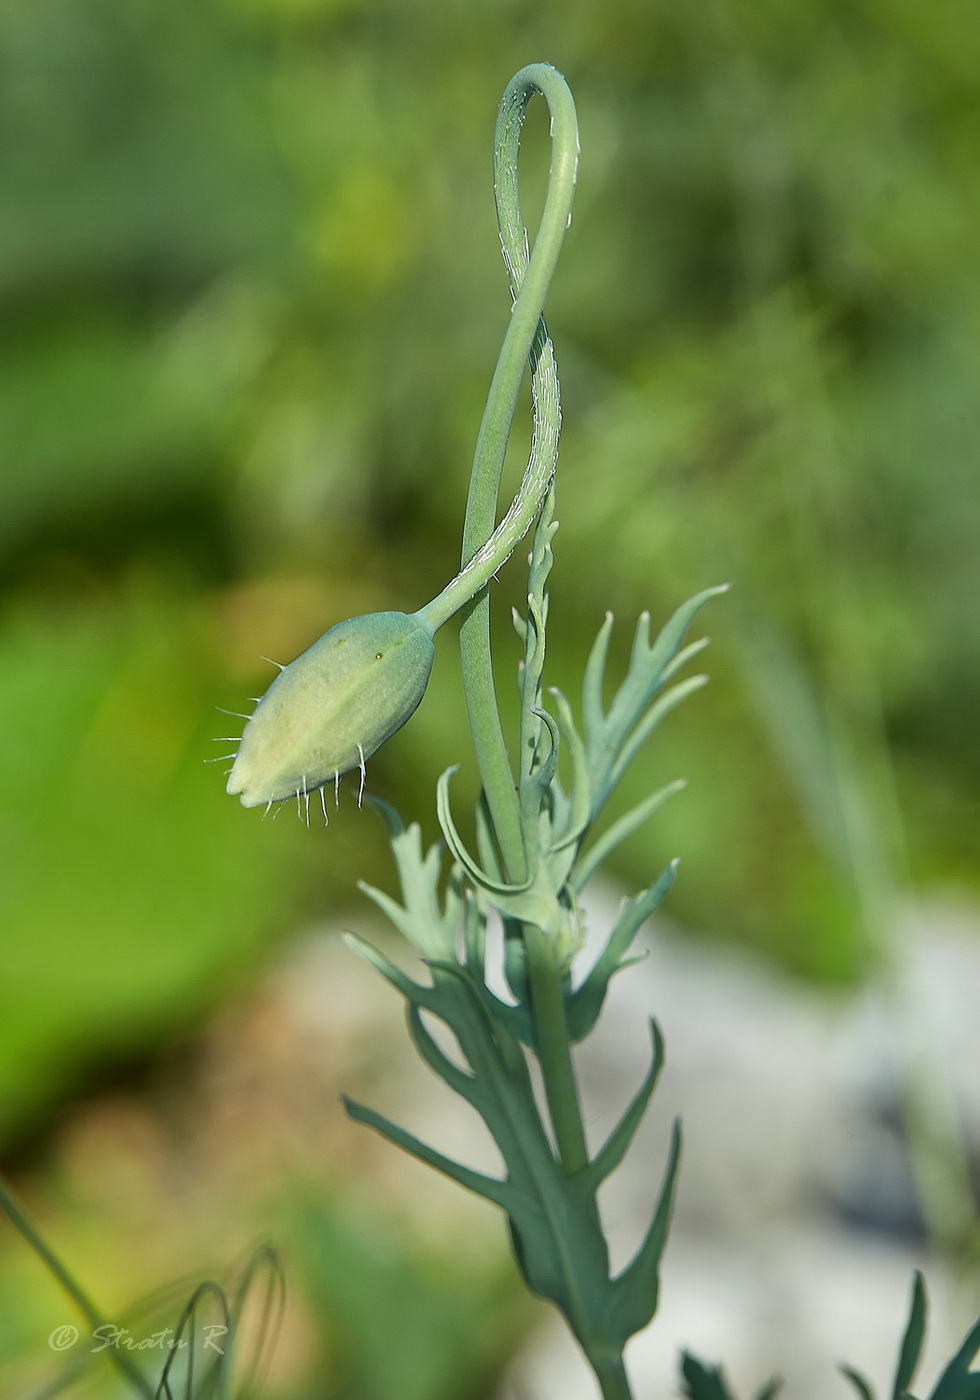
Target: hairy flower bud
<point x="333" y="706"/>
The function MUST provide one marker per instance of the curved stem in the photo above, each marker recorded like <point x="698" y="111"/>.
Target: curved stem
<point x="525" y="506"/>
<point x="526" y="338"/>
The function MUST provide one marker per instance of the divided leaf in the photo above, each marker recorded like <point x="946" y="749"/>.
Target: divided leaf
<point x="636" y="1290"/>
<point x="958" y="1382"/>
<point x="612" y="738"/>
<point x="859" y="1383"/>
<point x="703" y="1382"/>
<point x="612" y="1152"/>
<point x="429" y="923"/>
<point x="585" y="1003"/>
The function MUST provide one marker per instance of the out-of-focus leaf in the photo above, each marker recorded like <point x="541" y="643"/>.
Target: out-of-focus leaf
<point x="403" y="1324"/>
<point x="132" y="890"/>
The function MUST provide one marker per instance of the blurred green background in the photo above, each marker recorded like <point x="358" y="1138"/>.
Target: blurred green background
<point x="252" y="299"/>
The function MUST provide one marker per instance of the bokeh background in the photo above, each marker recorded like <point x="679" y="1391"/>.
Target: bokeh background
<point x="252" y="298"/>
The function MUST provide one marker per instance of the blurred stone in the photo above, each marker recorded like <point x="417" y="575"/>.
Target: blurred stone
<point x="796" y="1230"/>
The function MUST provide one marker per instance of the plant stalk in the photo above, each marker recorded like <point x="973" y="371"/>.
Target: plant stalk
<point x="610" y="1371"/>
<point x="526" y="338"/>
<point x="554" y="1052"/>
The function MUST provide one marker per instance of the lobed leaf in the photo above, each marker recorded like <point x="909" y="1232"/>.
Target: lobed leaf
<point x="645" y="727"/>
<point x="613" y="738"/>
<point x="585" y="1002"/>
<point x="703" y="1382"/>
<point x="620" y="831"/>
<point x="617" y="1144"/>
<point x="859" y="1383"/>
<point x="460" y="1080"/>
<point x="958" y="1382"/>
<point x="490" y="1187"/>
<point x="430" y="923"/>
<point x="579" y="813"/>
<point x="412" y="991"/>
<point x="707" y="1382"/>
<point x="672" y="633"/>
<point x="593" y="714"/>
<point x="681" y="659"/>
<point x="912" y="1341"/>
<point x="460" y="853"/>
<point x="636" y="1290"/>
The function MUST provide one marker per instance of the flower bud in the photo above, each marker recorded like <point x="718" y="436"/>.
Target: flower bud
<point x="333" y="706"/>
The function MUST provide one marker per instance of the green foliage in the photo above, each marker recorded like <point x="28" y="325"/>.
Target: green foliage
<point x="558" y="823"/>
<point x="554" y="1218"/>
<point x="957" y="1381"/>
<point x="703" y="1382"/>
<point x="125" y="895"/>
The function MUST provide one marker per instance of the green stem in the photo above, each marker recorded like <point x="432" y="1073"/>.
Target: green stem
<point x="525" y="506"/>
<point x="553" y="1050"/>
<point x="611" y="1374"/>
<point x="74" y="1290"/>
<point x="526" y="338"/>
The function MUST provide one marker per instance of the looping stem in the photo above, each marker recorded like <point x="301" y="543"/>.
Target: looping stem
<point x="526" y="338"/>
